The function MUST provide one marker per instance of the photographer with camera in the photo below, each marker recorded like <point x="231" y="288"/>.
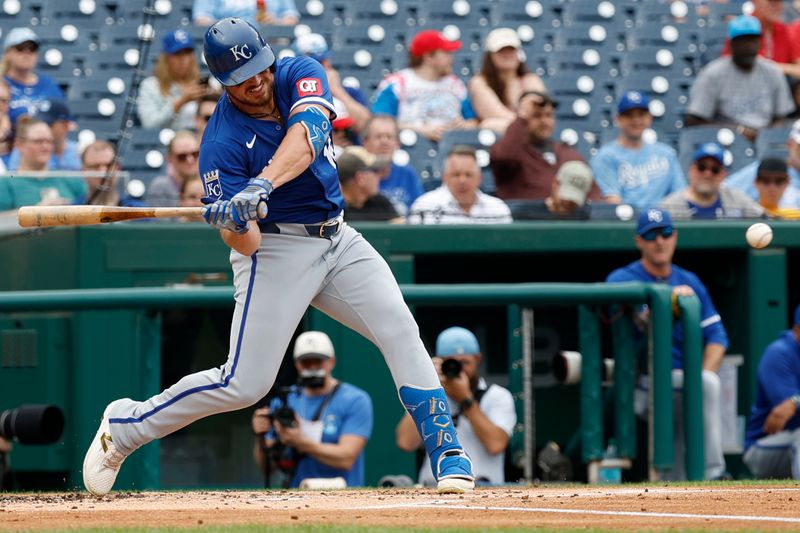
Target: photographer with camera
<point x="484" y="415"/>
<point x="317" y="429"/>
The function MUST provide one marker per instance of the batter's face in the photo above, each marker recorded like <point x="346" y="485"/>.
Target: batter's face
<point x="706" y="176"/>
<point x="658" y="252"/>
<point x="462" y="177"/>
<point x="255" y="92"/>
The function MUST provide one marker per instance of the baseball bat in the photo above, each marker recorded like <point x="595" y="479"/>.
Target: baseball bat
<point x="81" y="215"/>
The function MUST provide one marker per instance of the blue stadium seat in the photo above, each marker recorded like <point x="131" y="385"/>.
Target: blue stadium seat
<point x="437" y="14"/>
<point x="421" y="155"/>
<point x="593" y="11"/>
<point x="537" y="14"/>
<point x="720" y="14"/>
<point x="739" y="153"/>
<point x="772" y="141"/>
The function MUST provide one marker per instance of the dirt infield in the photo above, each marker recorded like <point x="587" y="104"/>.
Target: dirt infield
<point x="628" y="507"/>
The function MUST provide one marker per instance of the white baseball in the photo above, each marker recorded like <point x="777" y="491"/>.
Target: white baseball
<point x="759" y="235"/>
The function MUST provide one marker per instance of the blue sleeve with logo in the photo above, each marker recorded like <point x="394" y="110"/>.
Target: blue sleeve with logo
<point x="223" y="169"/>
<point x="308" y="83"/>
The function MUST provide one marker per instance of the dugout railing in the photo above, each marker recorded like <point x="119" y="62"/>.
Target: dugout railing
<point x="83" y="401"/>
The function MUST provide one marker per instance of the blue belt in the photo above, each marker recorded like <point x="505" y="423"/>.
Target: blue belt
<point x="326" y="230"/>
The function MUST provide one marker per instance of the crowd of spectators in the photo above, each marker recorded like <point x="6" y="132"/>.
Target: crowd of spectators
<point x="747" y="89"/>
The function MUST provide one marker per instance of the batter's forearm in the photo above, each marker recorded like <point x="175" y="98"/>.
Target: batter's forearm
<point x="245" y="243"/>
<point x="292" y="157"/>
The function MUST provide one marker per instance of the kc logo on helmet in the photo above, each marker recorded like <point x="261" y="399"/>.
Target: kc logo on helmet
<point x="241" y="51"/>
<point x="309" y="87"/>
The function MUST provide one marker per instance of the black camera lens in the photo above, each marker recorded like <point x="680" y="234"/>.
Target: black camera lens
<point x="285" y="416"/>
<point x="32" y="424"/>
<point x="451" y="368"/>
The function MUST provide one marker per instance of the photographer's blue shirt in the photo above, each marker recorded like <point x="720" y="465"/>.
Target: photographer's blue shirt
<point x="710" y="321"/>
<point x="349" y="412"/>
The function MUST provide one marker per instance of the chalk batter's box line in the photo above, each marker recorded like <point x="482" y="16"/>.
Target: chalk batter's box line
<point x="640" y="514"/>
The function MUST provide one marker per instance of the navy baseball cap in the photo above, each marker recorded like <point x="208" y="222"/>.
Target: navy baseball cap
<point x="175" y="41"/>
<point x="712" y="150"/>
<point x="653" y="219"/>
<point x="456" y="341"/>
<point x="633" y="100"/>
<point x="52" y="111"/>
<point x="744" y="25"/>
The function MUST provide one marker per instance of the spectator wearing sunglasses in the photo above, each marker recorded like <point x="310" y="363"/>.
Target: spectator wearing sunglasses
<point x="775" y="193"/>
<point x="182" y="165"/>
<point x="705" y="197"/>
<point x="656" y="239"/>
<point x="29" y="90"/>
<point x="205" y="108"/>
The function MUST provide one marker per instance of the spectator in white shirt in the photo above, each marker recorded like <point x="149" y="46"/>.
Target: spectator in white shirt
<point x="459" y="199"/>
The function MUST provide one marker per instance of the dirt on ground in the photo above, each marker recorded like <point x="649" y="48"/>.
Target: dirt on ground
<point x="712" y="507"/>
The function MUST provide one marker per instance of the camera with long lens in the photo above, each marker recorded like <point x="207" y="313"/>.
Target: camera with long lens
<point x="451" y="368"/>
<point x="32" y="424"/>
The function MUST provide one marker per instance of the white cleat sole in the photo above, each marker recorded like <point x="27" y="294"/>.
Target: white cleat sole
<point x="98" y="491"/>
<point x="455" y="485"/>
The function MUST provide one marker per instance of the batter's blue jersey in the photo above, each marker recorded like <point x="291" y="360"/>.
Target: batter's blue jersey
<point x="236" y="147"/>
<point x="778" y="379"/>
<point x="710" y="321"/>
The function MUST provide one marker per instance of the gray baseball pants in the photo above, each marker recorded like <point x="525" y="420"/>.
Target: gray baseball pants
<point x="344" y="277"/>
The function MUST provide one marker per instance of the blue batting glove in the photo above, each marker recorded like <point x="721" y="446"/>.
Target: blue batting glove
<point x="251" y="202"/>
<point x="218" y="215"/>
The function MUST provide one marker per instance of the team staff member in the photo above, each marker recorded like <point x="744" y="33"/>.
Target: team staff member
<point x="270" y="132"/>
<point x="656" y="239"/>
<point x="486" y="414"/>
<point x="772" y="439"/>
<point x="333" y="419"/>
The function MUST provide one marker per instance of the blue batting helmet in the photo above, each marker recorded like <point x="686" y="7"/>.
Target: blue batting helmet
<point x="235" y="51"/>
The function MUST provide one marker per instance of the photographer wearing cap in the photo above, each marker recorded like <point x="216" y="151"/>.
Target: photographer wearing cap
<point x="317" y="429"/>
<point x="484" y="414"/>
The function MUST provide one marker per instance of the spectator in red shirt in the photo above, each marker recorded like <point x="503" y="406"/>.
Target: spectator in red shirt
<point x="778" y="42"/>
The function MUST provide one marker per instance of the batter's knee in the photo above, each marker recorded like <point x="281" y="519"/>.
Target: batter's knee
<point x="245" y="394"/>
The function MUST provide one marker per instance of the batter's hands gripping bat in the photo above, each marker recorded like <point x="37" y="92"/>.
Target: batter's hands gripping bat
<point x="81" y="215"/>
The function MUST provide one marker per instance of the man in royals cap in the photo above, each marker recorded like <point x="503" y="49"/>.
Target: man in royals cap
<point x="484" y="414"/>
<point x="630" y="170"/>
<point x="705" y="197"/>
<point x="656" y="238"/>
<point x="427" y="97"/>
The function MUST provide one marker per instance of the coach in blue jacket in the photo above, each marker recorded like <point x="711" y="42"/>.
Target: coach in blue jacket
<point x="772" y="439"/>
<point x="656" y="239"/>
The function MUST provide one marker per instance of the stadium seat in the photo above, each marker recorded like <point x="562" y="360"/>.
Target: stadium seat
<point x="772" y="142"/>
<point x="738" y="151"/>
<point x="593" y="11"/>
<point x="534" y="13"/>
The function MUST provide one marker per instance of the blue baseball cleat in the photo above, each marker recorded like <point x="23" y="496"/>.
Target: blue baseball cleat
<point x="454" y="473"/>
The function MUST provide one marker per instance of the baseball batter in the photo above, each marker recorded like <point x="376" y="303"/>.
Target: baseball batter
<point x="271" y="183"/>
